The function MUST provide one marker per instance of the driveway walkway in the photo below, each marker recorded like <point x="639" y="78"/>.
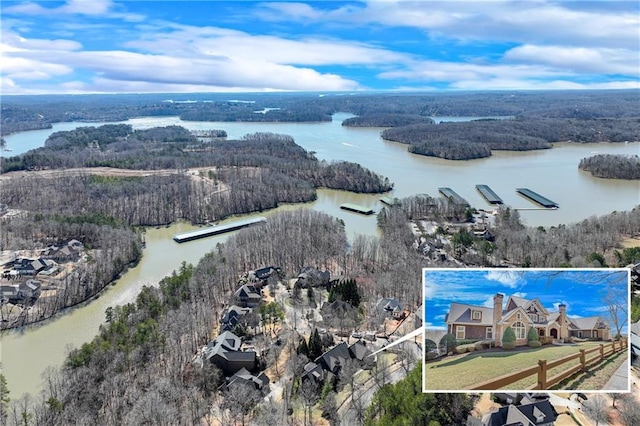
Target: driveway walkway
<point x="620" y="379"/>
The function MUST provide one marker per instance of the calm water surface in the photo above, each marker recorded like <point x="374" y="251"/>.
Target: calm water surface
<point x="553" y="173"/>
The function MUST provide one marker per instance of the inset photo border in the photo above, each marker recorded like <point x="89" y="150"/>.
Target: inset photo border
<point x="521" y="329"/>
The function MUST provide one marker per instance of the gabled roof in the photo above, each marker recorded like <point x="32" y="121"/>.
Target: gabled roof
<point x="587" y="323"/>
<point x="338" y="355"/>
<point x="359" y="350"/>
<point x="526" y="415"/>
<point x="461" y="313"/>
<point x="247" y="292"/>
<point x="228" y="341"/>
<point x="244" y="376"/>
<point x="388" y="305"/>
<point x="511" y="313"/>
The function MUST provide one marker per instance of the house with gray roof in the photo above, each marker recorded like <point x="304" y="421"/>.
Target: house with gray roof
<point x="247" y="296"/>
<point x="225" y="353"/>
<point x="467" y="321"/>
<point x="541" y="413"/>
<point x="389" y="307"/>
<point x="243" y="377"/>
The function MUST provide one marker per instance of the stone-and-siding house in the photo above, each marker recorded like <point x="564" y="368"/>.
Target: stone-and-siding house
<point x="484" y="323"/>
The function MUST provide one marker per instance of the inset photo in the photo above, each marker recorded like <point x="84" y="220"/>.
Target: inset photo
<point x="526" y="329"/>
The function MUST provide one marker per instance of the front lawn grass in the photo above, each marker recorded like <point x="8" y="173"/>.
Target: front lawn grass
<point x="463" y="371"/>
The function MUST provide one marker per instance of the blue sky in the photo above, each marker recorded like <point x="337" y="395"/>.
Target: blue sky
<point x="106" y="46"/>
<point x="580" y="290"/>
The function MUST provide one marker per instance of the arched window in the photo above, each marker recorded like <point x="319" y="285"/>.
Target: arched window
<point x="520" y="330"/>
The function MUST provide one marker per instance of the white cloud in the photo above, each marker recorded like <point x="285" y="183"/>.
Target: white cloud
<point x="212" y="41"/>
<point x="97" y="8"/>
<point x="508" y="278"/>
<point x="578" y="59"/>
<point x="538" y="22"/>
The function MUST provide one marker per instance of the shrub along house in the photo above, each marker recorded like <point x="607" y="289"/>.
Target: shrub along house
<point x="483" y="323"/>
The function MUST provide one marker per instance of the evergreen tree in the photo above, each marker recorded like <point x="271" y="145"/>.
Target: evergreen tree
<point x="315" y="344"/>
<point x="509" y="338"/>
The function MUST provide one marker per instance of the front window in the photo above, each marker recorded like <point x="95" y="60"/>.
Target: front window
<point x="489" y="333"/>
<point x="520" y="330"/>
<point x="460" y="332"/>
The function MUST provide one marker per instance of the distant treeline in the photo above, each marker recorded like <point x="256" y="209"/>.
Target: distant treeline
<point x="36" y="112"/>
<point x="612" y="166"/>
<point x="385" y="120"/>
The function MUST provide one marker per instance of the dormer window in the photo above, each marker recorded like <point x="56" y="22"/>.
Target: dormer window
<point x="476" y="315"/>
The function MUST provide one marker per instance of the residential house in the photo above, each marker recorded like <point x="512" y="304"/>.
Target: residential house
<point x="31" y="266"/>
<point x="333" y="359"/>
<point x="232" y="315"/>
<point x="244" y="378"/>
<point x="391" y="307"/>
<point x="312" y="277"/>
<point x="489" y="323"/>
<point x="30" y="290"/>
<point x="314" y="372"/>
<point x="540" y="413"/>
<point x="247" y="296"/>
<point x="225" y="353"/>
<point x="8" y="294"/>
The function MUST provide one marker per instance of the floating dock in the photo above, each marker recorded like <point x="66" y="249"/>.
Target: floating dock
<point x="537" y="198"/>
<point x="489" y="195"/>
<point x="387" y="200"/>
<point x="356" y="208"/>
<point x="453" y="196"/>
<point x="217" y="229"/>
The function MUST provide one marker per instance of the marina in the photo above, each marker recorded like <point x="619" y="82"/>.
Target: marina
<point x="217" y="229"/>
<point x="537" y="198"/>
<point x="489" y="195"/>
<point x="356" y="208"/>
<point x="453" y="196"/>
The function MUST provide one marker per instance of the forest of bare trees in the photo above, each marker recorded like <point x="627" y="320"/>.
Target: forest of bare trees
<point x="612" y="166"/>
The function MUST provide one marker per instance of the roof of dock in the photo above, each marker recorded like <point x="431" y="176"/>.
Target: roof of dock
<point x="537" y="197"/>
<point x="488" y="194"/>
<point x="218" y="229"/>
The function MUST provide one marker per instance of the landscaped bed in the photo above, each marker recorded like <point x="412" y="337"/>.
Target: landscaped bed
<point x="462" y="372"/>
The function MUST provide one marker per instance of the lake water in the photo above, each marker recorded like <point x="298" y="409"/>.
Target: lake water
<point x="553" y="173"/>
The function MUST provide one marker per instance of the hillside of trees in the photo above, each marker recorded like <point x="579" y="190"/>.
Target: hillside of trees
<point x="271" y="166"/>
<point x="612" y="166"/>
<point x="138" y="368"/>
<point x="385" y="120"/>
<point x="114" y="246"/>
<point x="475" y="139"/>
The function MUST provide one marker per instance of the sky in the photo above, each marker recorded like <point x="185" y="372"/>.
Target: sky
<point x="580" y="290"/>
<point x="107" y="46"/>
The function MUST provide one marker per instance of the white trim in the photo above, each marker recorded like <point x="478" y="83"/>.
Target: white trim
<point x="458" y="329"/>
<point x="488" y="330"/>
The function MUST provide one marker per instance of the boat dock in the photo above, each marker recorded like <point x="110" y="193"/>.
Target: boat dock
<point x="537" y="198"/>
<point x="489" y="195"/>
<point x="387" y="200"/>
<point x="453" y="196"/>
<point x="356" y="208"/>
<point x="217" y="229"/>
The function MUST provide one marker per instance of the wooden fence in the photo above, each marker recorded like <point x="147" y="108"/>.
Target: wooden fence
<point x="585" y="356"/>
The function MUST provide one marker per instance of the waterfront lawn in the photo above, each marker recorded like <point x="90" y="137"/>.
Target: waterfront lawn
<point x="461" y="372"/>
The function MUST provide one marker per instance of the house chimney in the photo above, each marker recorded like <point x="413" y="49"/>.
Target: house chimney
<point x="497" y="316"/>
<point x="563" y="313"/>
